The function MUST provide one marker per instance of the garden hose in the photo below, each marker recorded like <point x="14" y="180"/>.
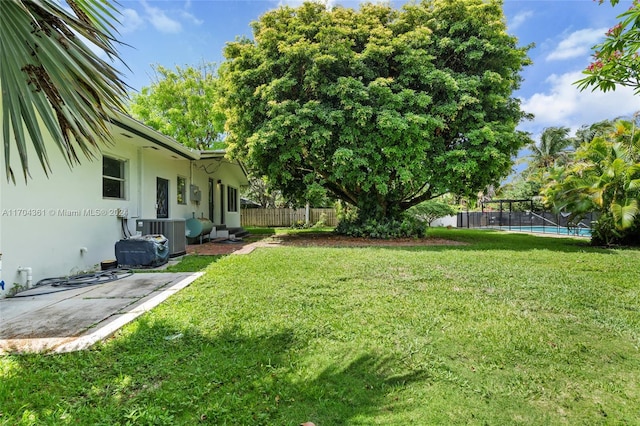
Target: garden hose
<point x="78" y="281"/>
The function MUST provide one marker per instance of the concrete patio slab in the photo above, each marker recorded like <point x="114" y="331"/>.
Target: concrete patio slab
<point x="47" y="320"/>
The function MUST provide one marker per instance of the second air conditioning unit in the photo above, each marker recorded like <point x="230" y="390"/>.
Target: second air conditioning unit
<point x="173" y="229"/>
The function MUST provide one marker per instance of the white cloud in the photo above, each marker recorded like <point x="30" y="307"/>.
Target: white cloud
<point x="565" y="105"/>
<point x="130" y="21"/>
<point x="160" y="20"/>
<point x="578" y="43"/>
<point x="520" y="19"/>
<point x="189" y="17"/>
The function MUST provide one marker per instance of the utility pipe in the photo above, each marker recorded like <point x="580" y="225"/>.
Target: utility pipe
<point x="29" y="272"/>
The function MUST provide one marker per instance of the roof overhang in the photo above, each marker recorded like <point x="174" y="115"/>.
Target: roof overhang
<point x="135" y="127"/>
<point x="219" y="154"/>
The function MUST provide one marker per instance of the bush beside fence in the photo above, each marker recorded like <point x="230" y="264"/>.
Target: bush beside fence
<point x="287" y="217"/>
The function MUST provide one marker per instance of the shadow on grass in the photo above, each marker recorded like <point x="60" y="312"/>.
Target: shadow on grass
<point x="157" y="374"/>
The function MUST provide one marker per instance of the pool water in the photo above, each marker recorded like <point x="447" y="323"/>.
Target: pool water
<point x="576" y="232"/>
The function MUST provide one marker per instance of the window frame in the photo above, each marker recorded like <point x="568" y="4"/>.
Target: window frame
<point x="232" y="199"/>
<point x="122" y="179"/>
<point x="181" y="190"/>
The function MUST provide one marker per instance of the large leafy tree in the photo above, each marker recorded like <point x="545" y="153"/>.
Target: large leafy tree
<point x="49" y="74"/>
<point x="385" y="108"/>
<point x="182" y="103"/>
<point x="615" y="60"/>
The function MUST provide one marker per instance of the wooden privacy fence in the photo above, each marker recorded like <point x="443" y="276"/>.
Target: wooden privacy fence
<point x="287" y="217"/>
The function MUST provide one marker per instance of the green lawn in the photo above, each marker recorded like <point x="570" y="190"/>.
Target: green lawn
<point x="509" y="329"/>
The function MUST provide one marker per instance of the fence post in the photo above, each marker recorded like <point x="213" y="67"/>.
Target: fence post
<point x="306" y="214"/>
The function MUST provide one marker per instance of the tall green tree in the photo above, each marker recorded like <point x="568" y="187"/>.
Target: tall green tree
<point x="551" y="150"/>
<point x="615" y="60"/>
<point x="182" y="103"/>
<point x="552" y="147"/>
<point x="48" y="73"/>
<point x="385" y="108"/>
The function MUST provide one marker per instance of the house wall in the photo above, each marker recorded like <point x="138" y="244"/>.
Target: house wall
<point x="59" y="225"/>
<point x="197" y="173"/>
<point x="230" y="175"/>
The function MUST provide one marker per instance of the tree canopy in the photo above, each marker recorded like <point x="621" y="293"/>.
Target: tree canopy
<point x="181" y="103"/>
<point x="49" y="75"/>
<point x="385" y="108"/>
<point x="615" y="60"/>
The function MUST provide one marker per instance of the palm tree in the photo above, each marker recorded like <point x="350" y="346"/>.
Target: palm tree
<point x="587" y="133"/>
<point x="49" y="74"/>
<point x="552" y="147"/>
<point x="605" y="177"/>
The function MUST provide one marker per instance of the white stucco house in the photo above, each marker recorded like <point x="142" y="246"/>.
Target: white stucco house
<point x="69" y="222"/>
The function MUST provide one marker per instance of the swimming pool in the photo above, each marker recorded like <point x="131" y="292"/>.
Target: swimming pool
<point x="561" y="230"/>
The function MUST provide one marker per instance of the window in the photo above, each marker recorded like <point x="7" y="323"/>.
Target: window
<point x="113" y="178"/>
<point x="182" y="190"/>
<point x="232" y="199"/>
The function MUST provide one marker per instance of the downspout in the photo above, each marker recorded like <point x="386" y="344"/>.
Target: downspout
<point x="29" y="272"/>
<point x="191" y="164"/>
<point x="140" y="176"/>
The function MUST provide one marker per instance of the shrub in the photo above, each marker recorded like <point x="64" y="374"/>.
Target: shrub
<point x="605" y="233"/>
<point x="428" y="211"/>
<point x="322" y="222"/>
<point x="300" y="224"/>
<point x="383" y="229"/>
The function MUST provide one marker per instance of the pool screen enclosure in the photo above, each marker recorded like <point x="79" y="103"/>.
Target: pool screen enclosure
<point x="520" y="215"/>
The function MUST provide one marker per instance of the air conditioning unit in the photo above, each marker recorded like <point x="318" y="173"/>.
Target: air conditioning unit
<point x="173" y="229"/>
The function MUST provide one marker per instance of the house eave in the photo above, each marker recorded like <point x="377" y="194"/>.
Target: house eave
<point x="131" y="125"/>
<point x="220" y="153"/>
<point x="214" y="153"/>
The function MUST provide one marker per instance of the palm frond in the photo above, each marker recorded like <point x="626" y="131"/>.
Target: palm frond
<point x="624" y="215"/>
<point x="48" y="73"/>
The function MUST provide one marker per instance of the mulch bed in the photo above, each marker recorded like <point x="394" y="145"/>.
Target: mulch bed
<point x="211" y="248"/>
<point x="334" y="240"/>
<point x="314" y="240"/>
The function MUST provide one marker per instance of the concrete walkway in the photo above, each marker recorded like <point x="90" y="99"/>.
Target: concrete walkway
<point x="47" y="320"/>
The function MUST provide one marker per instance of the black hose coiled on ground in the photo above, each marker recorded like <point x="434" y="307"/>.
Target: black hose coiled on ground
<point x="79" y="281"/>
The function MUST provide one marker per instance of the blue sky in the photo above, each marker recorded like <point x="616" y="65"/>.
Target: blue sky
<point x="188" y="32"/>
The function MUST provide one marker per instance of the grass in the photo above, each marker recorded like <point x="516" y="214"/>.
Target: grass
<point x="508" y="329"/>
<point x="187" y="263"/>
<point x="193" y="263"/>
